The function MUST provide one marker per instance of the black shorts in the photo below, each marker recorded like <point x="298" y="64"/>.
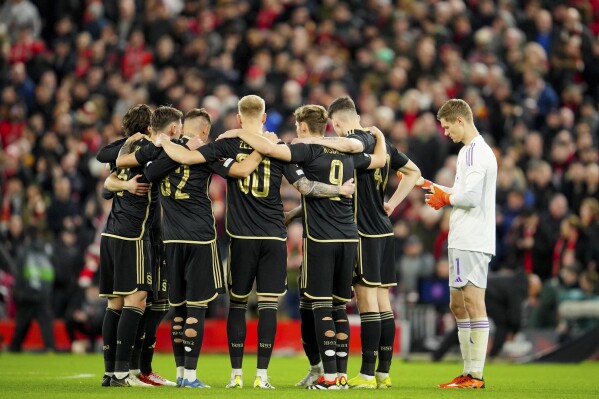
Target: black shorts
<point x="327" y="270"/>
<point x="195" y="273"/>
<point x="375" y="266"/>
<point x="125" y="266"/>
<point x="264" y="261"/>
<point x="159" y="273"/>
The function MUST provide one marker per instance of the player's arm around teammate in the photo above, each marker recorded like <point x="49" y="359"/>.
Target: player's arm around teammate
<point x="282" y="152"/>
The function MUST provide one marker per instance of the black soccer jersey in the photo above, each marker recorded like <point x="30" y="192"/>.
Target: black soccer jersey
<point x="328" y="219"/>
<point x="131" y="215"/>
<point x="110" y="152"/>
<point x="370" y="188"/>
<point x="254" y="205"/>
<point x="187" y="216"/>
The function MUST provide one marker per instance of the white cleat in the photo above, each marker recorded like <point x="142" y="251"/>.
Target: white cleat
<point x="264" y="384"/>
<point x="129" y="381"/>
<point x="310" y="378"/>
<point x="235" y="382"/>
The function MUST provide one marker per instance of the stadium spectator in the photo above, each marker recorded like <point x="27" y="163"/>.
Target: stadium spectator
<point x="34" y="276"/>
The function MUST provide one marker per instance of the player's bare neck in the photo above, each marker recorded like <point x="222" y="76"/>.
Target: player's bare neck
<point x="470" y="135"/>
<point x="252" y="127"/>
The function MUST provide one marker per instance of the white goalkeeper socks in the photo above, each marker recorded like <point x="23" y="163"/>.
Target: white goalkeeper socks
<point x="478" y="350"/>
<point x="464" y="338"/>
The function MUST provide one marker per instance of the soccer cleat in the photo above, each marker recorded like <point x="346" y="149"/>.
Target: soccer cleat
<point x="457" y="380"/>
<point x="264" y="384"/>
<point x="321" y="383"/>
<point x="464" y="381"/>
<point x="235" y="382"/>
<point x="383" y="383"/>
<point x="310" y="378"/>
<point x="343" y="382"/>
<point x="472" y="383"/>
<point x="193" y="384"/>
<point x="155" y="379"/>
<point x="106" y="381"/>
<point x="179" y="381"/>
<point x="361" y="383"/>
<point x="129" y="381"/>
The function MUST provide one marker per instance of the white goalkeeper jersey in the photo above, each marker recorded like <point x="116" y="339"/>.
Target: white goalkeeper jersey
<point x="472" y="220"/>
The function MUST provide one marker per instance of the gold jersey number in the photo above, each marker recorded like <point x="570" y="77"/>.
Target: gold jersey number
<point x="262" y="172"/>
<point x="165" y="184"/>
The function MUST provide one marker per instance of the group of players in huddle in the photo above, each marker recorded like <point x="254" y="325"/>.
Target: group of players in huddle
<point x="151" y="260"/>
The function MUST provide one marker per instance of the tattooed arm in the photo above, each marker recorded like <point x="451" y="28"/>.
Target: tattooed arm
<point x="126" y="159"/>
<point x="311" y="188"/>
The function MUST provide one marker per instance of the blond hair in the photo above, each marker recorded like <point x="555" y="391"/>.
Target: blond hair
<point x="454" y="108"/>
<point x="315" y="116"/>
<point x="251" y="106"/>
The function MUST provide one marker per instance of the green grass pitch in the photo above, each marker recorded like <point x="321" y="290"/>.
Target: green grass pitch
<point x="58" y="376"/>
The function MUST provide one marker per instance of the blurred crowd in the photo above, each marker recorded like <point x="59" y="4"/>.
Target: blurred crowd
<point x="529" y="70"/>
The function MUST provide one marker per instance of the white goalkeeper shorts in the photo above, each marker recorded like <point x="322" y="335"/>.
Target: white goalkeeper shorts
<point x="468" y="267"/>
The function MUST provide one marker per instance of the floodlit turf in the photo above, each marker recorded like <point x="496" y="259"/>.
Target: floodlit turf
<point x="58" y="376"/>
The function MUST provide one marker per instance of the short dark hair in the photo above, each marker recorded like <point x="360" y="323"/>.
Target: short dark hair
<point x="163" y="116"/>
<point x="342" y="104"/>
<point x="315" y="116"/>
<point x="199" y="113"/>
<point x="137" y="119"/>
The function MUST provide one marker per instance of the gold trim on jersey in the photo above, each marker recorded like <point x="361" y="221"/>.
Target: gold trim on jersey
<point x="361" y="268"/>
<point x="356" y="200"/>
<point x="374" y="235"/>
<point x="270" y="293"/>
<point x="109" y="296"/>
<point x="388" y="285"/>
<point x="190" y="242"/>
<point x="216" y="269"/>
<point x="143" y="224"/>
<point x="208" y="181"/>
<point x="255" y="238"/>
<point x="239" y="296"/>
<point x="139" y="262"/>
<point x="356" y="197"/>
<point x="121" y="293"/>
<point x="341" y="299"/>
<point x="199" y="303"/>
<point x="316" y="239"/>
<point x="304" y="275"/>
<point x="120" y="237"/>
<point x="229" y="276"/>
<point x="318" y="297"/>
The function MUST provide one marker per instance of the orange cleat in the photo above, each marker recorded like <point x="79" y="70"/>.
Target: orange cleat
<point x="453" y="383"/>
<point x="473" y="383"/>
<point x="465" y="382"/>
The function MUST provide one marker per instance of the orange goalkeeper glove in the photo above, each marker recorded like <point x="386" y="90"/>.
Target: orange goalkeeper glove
<point x="437" y="198"/>
<point x="421" y="182"/>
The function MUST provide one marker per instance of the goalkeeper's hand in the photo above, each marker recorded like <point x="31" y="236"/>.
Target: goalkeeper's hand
<point x="421" y="182"/>
<point x="436" y="198"/>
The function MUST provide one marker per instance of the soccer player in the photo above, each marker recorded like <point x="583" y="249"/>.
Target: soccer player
<point x="330" y="236"/>
<point x="125" y="256"/>
<point x="374" y="273"/>
<point x="471" y="241"/>
<point x="254" y="221"/>
<point x="194" y="269"/>
<point x="137" y="119"/>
